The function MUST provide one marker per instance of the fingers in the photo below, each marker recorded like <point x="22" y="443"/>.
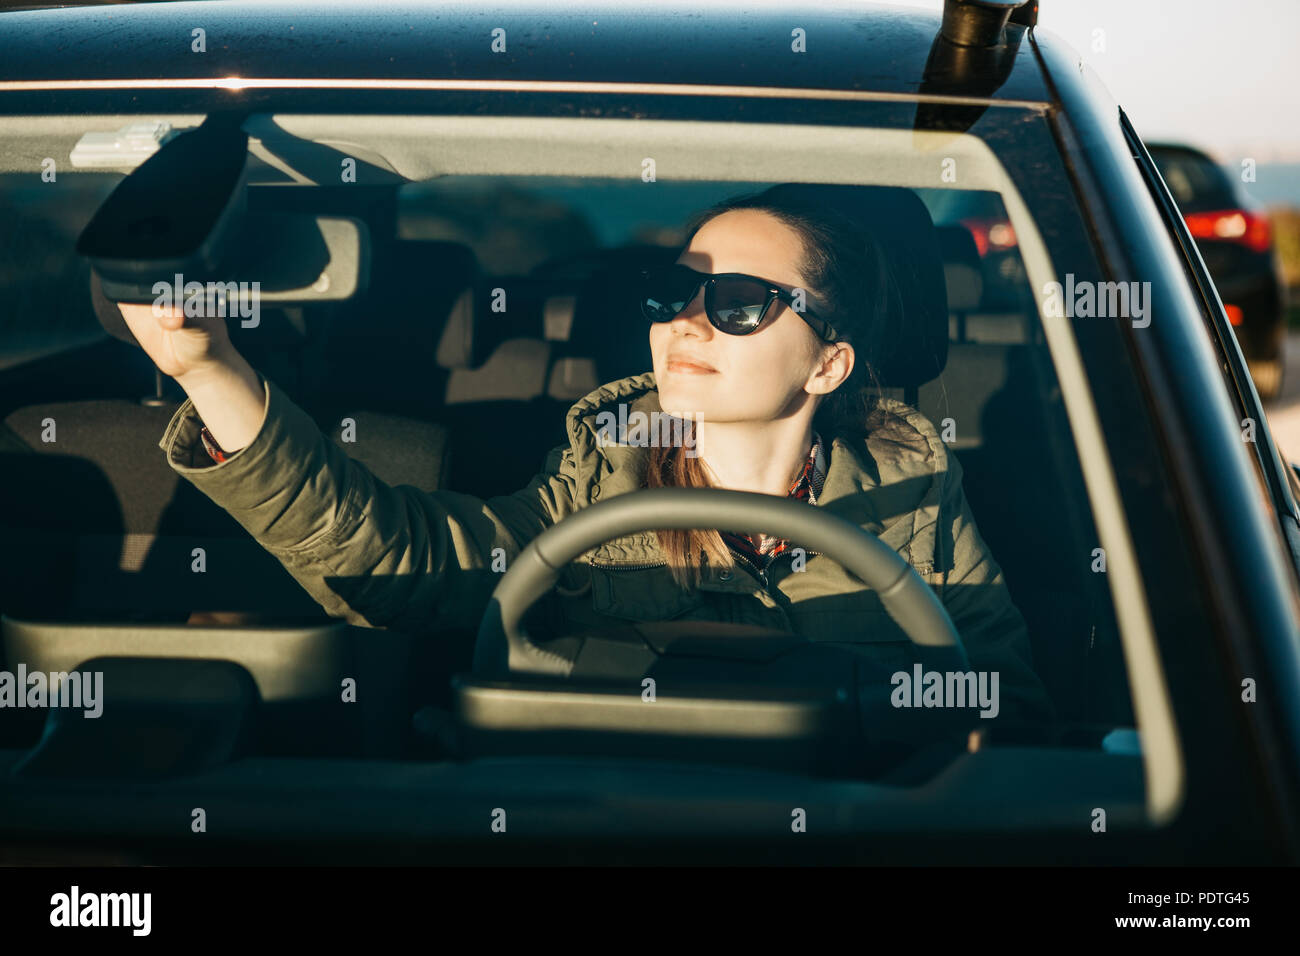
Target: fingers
<point x="169" y="319"/>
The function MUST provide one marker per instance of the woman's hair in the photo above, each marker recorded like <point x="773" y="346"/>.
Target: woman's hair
<point x="844" y="267"/>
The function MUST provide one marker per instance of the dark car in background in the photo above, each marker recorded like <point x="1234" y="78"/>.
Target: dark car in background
<point x="1001" y="268"/>
<point x="439" y="158"/>
<point x="1236" y="241"/>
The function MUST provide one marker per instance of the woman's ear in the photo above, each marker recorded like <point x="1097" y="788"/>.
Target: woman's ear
<point x="832" y="370"/>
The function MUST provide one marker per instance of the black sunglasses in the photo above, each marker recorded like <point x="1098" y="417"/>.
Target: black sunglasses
<point x="734" y="302"/>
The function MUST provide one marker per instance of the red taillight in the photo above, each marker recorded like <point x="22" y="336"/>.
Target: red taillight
<point x="991" y="235"/>
<point x="1235" y="315"/>
<point x="1232" y="225"/>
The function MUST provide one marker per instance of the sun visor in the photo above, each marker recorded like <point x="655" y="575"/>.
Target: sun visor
<point x="179" y="225"/>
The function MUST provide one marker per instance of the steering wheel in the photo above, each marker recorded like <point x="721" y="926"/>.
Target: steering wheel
<point x="503" y="645"/>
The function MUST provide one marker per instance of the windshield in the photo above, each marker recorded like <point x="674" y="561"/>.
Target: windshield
<point x="500" y="293"/>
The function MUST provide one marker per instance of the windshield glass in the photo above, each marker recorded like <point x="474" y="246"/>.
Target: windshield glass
<point x="486" y="386"/>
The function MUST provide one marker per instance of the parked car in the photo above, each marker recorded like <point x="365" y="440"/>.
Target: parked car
<point x="1235" y="239"/>
<point x="391" y="173"/>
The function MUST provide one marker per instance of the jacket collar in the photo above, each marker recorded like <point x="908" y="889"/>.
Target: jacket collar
<point x="896" y="475"/>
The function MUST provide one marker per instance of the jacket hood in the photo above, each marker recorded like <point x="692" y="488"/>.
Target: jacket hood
<point x="589" y="426"/>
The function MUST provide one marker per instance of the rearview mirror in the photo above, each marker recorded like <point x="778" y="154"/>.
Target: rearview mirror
<point x="278" y="257"/>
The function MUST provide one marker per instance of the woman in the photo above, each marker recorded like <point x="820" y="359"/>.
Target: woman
<point x="768" y="361"/>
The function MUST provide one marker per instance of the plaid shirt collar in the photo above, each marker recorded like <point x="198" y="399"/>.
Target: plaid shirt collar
<point x="806" y="487"/>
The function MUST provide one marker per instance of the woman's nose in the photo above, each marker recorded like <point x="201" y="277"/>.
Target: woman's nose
<point x="692" y="318"/>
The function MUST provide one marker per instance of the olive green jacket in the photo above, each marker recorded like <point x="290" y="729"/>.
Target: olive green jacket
<point x="384" y="556"/>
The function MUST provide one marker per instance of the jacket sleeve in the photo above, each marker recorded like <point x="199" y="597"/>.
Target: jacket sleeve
<point x="975" y="594"/>
<point x="375" y="554"/>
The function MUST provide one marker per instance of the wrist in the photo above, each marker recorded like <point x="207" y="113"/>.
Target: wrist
<point x="220" y="370"/>
<point x="230" y="400"/>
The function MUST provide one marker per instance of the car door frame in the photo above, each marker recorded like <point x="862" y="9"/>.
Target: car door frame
<point x="1279" y="480"/>
<point x="1247" y="574"/>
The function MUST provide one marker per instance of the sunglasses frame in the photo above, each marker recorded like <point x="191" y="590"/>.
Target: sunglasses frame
<point x="820" y="326"/>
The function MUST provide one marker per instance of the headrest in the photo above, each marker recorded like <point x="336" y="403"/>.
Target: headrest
<point x="383" y="347"/>
<point x="913" y="344"/>
<point x="608" y="325"/>
<point x="495" y="309"/>
<point x="416" y="287"/>
<point x="961" y="268"/>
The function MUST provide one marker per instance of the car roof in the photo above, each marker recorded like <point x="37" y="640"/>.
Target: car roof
<point x="860" y="47"/>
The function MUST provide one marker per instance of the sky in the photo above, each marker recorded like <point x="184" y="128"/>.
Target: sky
<point x="1222" y="75"/>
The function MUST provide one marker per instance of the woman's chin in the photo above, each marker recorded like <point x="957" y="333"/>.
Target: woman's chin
<point x="684" y="412"/>
<point x="674" y="402"/>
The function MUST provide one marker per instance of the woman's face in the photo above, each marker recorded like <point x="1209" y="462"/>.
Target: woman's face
<point x="768" y="374"/>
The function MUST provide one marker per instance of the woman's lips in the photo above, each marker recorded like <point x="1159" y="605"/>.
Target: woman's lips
<point x="687" y="367"/>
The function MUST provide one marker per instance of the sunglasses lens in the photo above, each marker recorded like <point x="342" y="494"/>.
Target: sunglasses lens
<point x="738" y="304"/>
<point x="665" y="292"/>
